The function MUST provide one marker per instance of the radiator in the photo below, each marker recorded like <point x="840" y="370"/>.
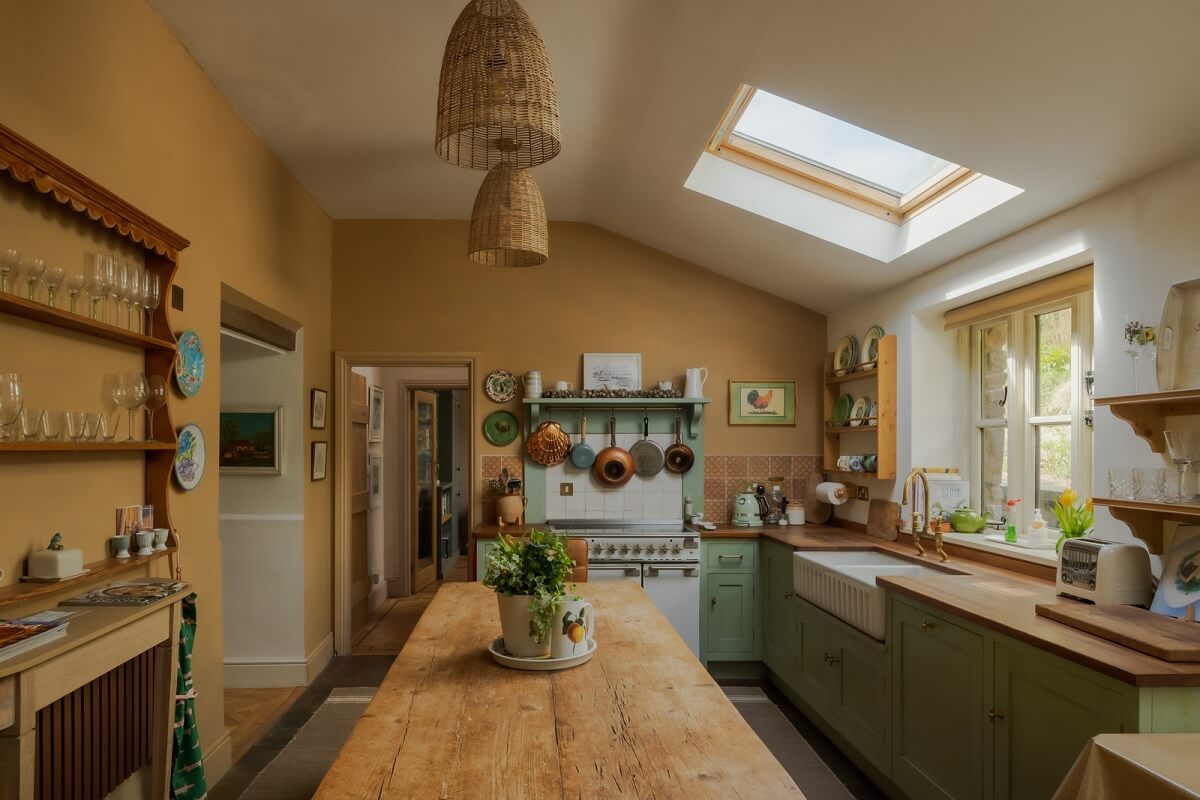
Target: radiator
<point x="92" y="739"/>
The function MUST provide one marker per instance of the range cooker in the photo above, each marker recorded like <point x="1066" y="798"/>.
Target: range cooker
<point x="661" y="555"/>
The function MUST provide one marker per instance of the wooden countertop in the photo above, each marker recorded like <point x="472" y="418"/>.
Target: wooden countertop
<point x="641" y="718"/>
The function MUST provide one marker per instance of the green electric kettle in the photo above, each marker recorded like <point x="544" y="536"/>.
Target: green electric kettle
<point x="966" y="520"/>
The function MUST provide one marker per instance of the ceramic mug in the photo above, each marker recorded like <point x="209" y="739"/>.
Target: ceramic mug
<point x="856" y="464"/>
<point x="574" y="626"/>
<point x="666" y="386"/>
<point x="795" y="515"/>
<point x="160" y="538"/>
<point x="843" y="463"/>
<point x="563" y="386"/>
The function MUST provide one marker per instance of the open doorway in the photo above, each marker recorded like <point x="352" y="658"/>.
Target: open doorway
<point x="403" y="491"/>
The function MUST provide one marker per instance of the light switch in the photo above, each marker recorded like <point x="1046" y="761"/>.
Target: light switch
<point x="566" y="490"/>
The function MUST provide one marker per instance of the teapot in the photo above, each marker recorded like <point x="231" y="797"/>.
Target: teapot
<point x="967" y="520"/>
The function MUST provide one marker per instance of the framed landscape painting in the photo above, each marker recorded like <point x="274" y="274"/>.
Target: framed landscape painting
<point x="612" y="371"/>
<point x="250" y="441"/>
<point x="762" y="402"/>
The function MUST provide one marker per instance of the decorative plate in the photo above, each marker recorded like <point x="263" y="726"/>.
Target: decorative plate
<point x="859" y="412"/>
<point x="874" y="411"/>
<point x="190" y="457"/>
<point x="501" y="428"/>
<point x="189" y="363"/>
<point x="870" y="344"/>
<point x="842" y="408"/>
<point x="500" y="386"/>
<point x="496" y="648"/>
<point x="846" y="355"/>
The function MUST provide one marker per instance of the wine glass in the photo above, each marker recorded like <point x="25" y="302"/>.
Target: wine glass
<point x="96" y="287"/>
<point x="1135" y="342"/>
<point x="120" y="289"/>
<point x="133" y="395"/>
<point x="1184" y="449"/>
<point x="112" y="270"/>
<point x="74" y="285"/>
<point x="135" y="296"/>
<point x="53" y="277"/>
<point x="156" y="398"/>
<point x="34" y="267"/>
<point x="10" y="261"/>
<point x="10" y="402"/>
<point x="153" y="299"/>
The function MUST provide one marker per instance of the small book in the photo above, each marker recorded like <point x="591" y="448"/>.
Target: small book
<point x="18" y="636"/>
<point x="138" y="592"/>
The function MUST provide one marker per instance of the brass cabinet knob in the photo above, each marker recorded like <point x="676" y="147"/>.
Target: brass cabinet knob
<point x="994" y="715"/>
<point x="712" y="601"/>
<point x="927" y="626"/>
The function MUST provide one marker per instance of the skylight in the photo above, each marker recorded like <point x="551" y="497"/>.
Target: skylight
<point x="836" y="181"/>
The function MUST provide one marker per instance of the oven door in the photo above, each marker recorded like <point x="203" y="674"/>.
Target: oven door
<point x="614" y="572"/>
<point x="675" y="589"/>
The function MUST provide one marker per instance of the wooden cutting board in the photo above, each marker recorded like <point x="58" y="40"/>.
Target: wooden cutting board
<point x="883" y="519"/>
<point x="1153" y="634"/>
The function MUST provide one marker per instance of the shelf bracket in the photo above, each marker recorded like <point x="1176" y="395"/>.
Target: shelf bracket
<point x="535" y="414"/>
<point x="694" y="422"/>
<point x="1145" y="525"/>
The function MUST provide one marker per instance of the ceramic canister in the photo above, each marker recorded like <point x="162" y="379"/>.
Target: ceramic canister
<point x="533" y="383"/>
<point x="511" y="507"/>
<point x="573" y="627"/>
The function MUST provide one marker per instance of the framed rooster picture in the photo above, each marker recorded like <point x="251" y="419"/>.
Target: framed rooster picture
<point x="762" y="402"/>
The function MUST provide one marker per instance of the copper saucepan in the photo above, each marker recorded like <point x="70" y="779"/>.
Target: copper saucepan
<point x="680" y="457"/>
<point x="614" y="465"/>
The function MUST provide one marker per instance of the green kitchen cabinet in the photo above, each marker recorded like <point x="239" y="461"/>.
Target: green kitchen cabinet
<point x="780" y="623"/>
<point x="863" y="700"/>
<point x="817" y="680"/>
<point x="729" y="602"/>
<point x="938" y="706"/>
<point x="1043" y="712"/>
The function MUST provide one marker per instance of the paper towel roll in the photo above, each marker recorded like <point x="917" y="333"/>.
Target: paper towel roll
<point x="832" y="493"/>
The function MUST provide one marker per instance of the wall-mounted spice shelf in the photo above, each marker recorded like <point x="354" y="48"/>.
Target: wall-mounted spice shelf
<point x="1147" y="413"/>
<point x="1145" y="518"/>
<point x="884" y="427"/>
<point x="40" y="312"/>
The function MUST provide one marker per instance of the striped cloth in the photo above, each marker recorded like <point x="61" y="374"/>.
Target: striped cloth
<point x="187" y="767"/>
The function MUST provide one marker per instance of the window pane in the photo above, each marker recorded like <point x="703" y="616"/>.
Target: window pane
<point x="828" y="142"/>
<point x="994" y="477"/>
<point x="1053" y="466"/>
<point x="1054" y="363"/>
<point x="993" y="360"/>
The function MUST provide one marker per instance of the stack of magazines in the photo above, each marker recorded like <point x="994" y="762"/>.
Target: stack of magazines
<point x="137" y="592"/>
<point x="21" y="635"/>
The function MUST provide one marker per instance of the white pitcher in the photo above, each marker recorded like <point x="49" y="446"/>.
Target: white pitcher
<point x="694" y="385"/>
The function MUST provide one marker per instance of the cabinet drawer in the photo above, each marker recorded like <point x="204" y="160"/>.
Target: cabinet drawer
<point x="730" y="556"/>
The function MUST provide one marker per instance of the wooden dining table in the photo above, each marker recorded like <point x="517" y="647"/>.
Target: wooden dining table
<point x="641" y="719"/>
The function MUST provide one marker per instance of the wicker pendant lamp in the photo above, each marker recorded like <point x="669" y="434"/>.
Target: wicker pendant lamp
<point x="496" y="96"/>
<point x="508" y="222"/>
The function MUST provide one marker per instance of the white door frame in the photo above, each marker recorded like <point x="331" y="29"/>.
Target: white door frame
<point x="343" y="362"/>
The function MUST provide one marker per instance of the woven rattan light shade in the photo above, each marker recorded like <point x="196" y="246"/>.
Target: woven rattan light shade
<point x="508" y="223"/>
<point x="496" y="96"/>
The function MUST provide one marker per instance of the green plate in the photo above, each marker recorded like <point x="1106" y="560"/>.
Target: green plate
<point x="841" y="409"/>
<point x="501" y="428"/>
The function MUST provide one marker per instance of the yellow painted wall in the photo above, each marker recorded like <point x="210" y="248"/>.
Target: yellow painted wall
<point x="406" y="285"/>
<point x="108" y="89"/>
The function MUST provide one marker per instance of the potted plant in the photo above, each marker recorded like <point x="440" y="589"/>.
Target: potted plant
<point x="1074" y="519"/>
<point x="529" y="574"/>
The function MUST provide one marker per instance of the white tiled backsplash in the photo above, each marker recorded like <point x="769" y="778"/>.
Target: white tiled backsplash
<point x="656" y="497"/>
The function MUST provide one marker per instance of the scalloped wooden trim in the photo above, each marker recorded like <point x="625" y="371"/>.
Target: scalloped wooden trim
<point x="28" y="163"/>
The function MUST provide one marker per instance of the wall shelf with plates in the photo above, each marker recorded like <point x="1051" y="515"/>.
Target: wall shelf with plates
<point x="1145" y="518"/>
<point x="28" y="165"/>
<point x="883" y="375"/>
<point x="1147" y="413"/>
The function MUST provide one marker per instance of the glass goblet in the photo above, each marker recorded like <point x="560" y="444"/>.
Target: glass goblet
<point x="11" y="401"/>
<point x="33" y="269"/>
<point x="153" y="300"/>
<point x="156" y="398"/>
<point x="95" y="284"/>
<point x="53" y="276"/>
<point x="132" y="397"/>
<point x="1184" y="449"/>
<point x="10" y="262"/>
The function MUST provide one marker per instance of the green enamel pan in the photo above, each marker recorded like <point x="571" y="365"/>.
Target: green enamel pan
<point x="582" y="454"/>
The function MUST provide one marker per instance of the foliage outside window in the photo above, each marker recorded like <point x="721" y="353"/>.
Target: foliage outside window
<point x="1029" y="439"/>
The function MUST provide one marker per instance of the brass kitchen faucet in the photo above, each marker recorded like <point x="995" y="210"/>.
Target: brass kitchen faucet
<point x="920" y="524"/>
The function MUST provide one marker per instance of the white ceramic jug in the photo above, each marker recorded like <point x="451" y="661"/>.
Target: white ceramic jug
<point x="533" y="383"/>
<point x="694" y="385"/>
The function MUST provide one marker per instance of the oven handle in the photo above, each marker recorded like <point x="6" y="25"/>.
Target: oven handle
<point x="690" y="569"/>
<point x="606" y="568"/>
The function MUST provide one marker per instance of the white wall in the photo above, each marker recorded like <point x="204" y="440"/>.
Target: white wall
<point x="377" y="522"/>
<point x="1142" y="238"/>
<point x="262" y="526"/>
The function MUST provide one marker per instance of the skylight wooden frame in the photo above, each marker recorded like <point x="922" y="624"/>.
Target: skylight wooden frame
<point x="833" y="185"/>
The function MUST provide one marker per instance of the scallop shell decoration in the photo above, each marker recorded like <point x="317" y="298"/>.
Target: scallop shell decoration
<point x="548" y="445"/>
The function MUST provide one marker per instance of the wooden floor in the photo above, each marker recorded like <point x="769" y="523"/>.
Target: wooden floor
<point x="390" y="625"/>
<point x="250" y="713"/>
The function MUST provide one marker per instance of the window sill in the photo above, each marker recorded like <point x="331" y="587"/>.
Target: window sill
<point x="975" y="541"/>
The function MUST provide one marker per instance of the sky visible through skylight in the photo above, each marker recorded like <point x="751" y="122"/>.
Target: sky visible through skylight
<point x="827" y="141"/>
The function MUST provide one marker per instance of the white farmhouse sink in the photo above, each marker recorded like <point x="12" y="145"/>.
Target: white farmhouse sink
<point x="843" y="583"/>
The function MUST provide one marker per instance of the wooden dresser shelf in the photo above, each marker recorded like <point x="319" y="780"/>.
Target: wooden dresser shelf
<point x="1147" y="413"/>
<point x="881" y="427"/>
<point x="856" y="375"/>
<point x="40" y="312"/>
<point x="84" y="447"/>
<point x="104" y="569"/>
<point x="1145" y="518"/>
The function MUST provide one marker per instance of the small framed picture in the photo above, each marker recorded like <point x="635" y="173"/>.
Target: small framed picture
<point x="375" y="411"/>
<point x="318" y="401"/>
<point x="250" y="440"/>
<point x="320" y="452"/>
<point x="375" y="480"/>
<point x="762" y="402"/>
<point x="612" y="371"/>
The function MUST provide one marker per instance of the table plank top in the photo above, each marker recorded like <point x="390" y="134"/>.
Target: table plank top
<point x="641" y="719"/>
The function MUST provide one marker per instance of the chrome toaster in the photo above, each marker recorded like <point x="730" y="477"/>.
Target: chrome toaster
<point x="1105" y="572"/>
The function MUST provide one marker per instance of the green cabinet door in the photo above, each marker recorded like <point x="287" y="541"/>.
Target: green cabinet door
<point x="817" y="681"/>
<point x="729" y="625"/>
<point x="938" y="707"/>
<point x="864" y="710"/>
<point x="779" y="629"/>
<point x="483" y="548"/>
<point x="1043" y="713"/>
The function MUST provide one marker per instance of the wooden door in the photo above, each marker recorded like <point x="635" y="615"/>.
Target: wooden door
<point x="360" y="583"/>
<point x="425" y="498"/>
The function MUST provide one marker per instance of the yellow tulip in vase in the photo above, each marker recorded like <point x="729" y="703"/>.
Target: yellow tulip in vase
<point x="1075" y="519"/>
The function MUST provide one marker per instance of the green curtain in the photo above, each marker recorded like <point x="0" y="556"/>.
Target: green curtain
<point x="187" y="768"/>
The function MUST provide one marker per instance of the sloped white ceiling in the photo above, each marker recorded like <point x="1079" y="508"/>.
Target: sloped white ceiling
<point x="1065" y="99"/>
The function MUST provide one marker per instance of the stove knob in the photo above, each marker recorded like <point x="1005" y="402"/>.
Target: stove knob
<point x="662" y="548"/>
<point x="610" y="549"/>
<point x="624" y="549"/>
<point x="637" y="548"/>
